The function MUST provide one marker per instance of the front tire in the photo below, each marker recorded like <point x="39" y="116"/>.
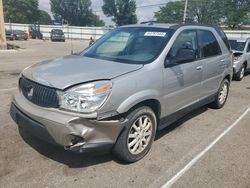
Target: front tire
<point x="137" y="138"/>
<point x="222" y="95"/>
<point x="240" y="75"/>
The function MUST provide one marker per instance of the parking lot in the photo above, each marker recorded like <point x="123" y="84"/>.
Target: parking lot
<point x="207" y="148"/>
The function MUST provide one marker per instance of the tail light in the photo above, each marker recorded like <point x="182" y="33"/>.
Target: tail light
<point x="232" y="56"/>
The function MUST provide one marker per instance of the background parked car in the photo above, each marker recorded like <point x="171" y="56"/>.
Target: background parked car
<point x="9" y="35"/>
<point x="57" y="35"/>
<point x="34" y="31"/>
<point x="241" y="50"/>
<point x="19" y="35"/>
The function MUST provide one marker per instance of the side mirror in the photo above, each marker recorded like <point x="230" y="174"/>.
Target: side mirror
<point x="184" y="55"/>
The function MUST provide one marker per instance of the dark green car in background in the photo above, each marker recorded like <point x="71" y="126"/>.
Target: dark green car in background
<point x="57" y="35"/>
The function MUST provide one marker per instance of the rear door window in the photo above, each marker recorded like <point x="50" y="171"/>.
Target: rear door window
<point x="223" y="37"/>
<point x="209" y="44"/>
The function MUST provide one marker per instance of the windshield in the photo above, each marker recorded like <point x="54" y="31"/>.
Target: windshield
<point x="58" y="32"/>
<point x="237" y="45"/>
<point x="18" y="32"/>
<point x="138" y="45"/>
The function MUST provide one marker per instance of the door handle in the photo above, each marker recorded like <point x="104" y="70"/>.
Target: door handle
<point x="199" y="68"/>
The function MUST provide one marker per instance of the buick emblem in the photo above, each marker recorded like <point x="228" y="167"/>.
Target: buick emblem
<point x="30" y="93"/>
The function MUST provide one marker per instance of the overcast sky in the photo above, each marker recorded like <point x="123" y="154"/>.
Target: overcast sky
<point x="144" y="14"/>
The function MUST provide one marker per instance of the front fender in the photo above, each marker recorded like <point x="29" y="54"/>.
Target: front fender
<point x="137" y="98"/>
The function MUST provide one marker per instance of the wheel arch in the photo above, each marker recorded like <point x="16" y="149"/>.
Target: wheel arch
<point x="228" y="77"/>
<point x="154" y="104"/>
<point x="245" y="64"/>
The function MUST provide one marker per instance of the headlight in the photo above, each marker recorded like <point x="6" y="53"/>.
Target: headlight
<point x="85" y="98"/>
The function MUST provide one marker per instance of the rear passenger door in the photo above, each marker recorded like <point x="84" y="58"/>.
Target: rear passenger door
<point x="182" y="81"/>
<point x="213" y="62"/>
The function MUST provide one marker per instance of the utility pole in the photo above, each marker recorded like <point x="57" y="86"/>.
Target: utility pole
<point x="2" y="28"/>
<point x="185" y="12"/>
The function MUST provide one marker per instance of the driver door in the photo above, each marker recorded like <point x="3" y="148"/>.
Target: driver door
<point x="182" y="81"/>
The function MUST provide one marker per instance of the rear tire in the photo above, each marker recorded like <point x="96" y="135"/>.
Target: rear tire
<point x="138" y="135"/>
<point x="240" y="75"/>
<point x="222" y="95"/>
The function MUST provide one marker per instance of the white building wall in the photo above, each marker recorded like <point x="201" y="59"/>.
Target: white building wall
<point x="85" y="33"/>
<point x="73" y="32"/>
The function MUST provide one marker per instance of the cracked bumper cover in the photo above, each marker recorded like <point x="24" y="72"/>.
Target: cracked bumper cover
<point x="59" y="127"/>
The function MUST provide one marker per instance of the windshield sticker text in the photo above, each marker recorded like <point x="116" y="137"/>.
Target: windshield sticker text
<point x="155" y="34"/>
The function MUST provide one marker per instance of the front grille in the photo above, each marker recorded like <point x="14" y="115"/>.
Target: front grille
<point x="39" y="94"/>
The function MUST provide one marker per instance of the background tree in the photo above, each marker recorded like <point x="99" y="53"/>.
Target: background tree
<point x="199" y="11"/>
<point x="74" y="12"/>
<point x="44" y="18"/>
<point x="171" y="13"/>
<point x="231" y="13"/>
<point x="204" y="12"/>
<point x="96" y="21"/>
<point x="21" y="11"/>
<point x="123" y="11"/>
<point x="234" y="12"/>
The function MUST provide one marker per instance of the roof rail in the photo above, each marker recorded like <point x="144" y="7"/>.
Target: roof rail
<point x="148" y="22"/>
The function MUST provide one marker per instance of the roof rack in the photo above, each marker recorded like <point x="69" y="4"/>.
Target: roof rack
<point x="193" y="24"/>
<point x="148" y="22"/>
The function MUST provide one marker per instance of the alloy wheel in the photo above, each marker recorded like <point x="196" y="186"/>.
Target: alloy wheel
<point x="242" y="72"/>
<point x="140" y="134"/>
<point x="223" y="93"/>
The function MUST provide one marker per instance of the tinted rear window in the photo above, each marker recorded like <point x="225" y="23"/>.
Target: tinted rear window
<point x="223" y="37"/>
<point x="209" y="44"/>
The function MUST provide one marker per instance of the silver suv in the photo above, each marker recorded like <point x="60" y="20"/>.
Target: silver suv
<point x="241" y="51"/>
<point x="116" y="94"/>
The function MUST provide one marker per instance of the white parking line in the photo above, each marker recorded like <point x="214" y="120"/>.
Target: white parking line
<point x="203" y="152"/>
<point x="8" y="89"/>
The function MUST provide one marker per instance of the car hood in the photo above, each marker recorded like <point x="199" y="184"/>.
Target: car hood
<point x="65" y="72"/>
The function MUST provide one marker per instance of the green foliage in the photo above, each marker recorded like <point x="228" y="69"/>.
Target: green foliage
<point x="44" y="18"/>
<point x="96" y="21"/>
<point x="231" y="13"/>
<point x="234" y="12"/>
<point x="204" y="11"/>
<point x="21" y="11"/>
<point x="75" y="12"/>
<point x="122" y="11"/>
<point x="171" y="13"/>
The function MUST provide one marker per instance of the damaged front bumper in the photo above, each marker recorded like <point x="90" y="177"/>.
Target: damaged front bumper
<point x="237" y="66"/>
<point x="69" y="130"/>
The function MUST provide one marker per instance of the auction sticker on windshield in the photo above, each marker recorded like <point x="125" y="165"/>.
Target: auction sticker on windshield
<point x="155" y="34"/>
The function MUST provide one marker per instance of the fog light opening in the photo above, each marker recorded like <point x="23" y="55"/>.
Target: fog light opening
<point x="75" y="141"/>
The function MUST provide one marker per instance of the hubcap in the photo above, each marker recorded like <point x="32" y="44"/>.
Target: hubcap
<point x="223" y="94"/>
<point x="139" y="135"/>
<point x="242" y="72"/>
